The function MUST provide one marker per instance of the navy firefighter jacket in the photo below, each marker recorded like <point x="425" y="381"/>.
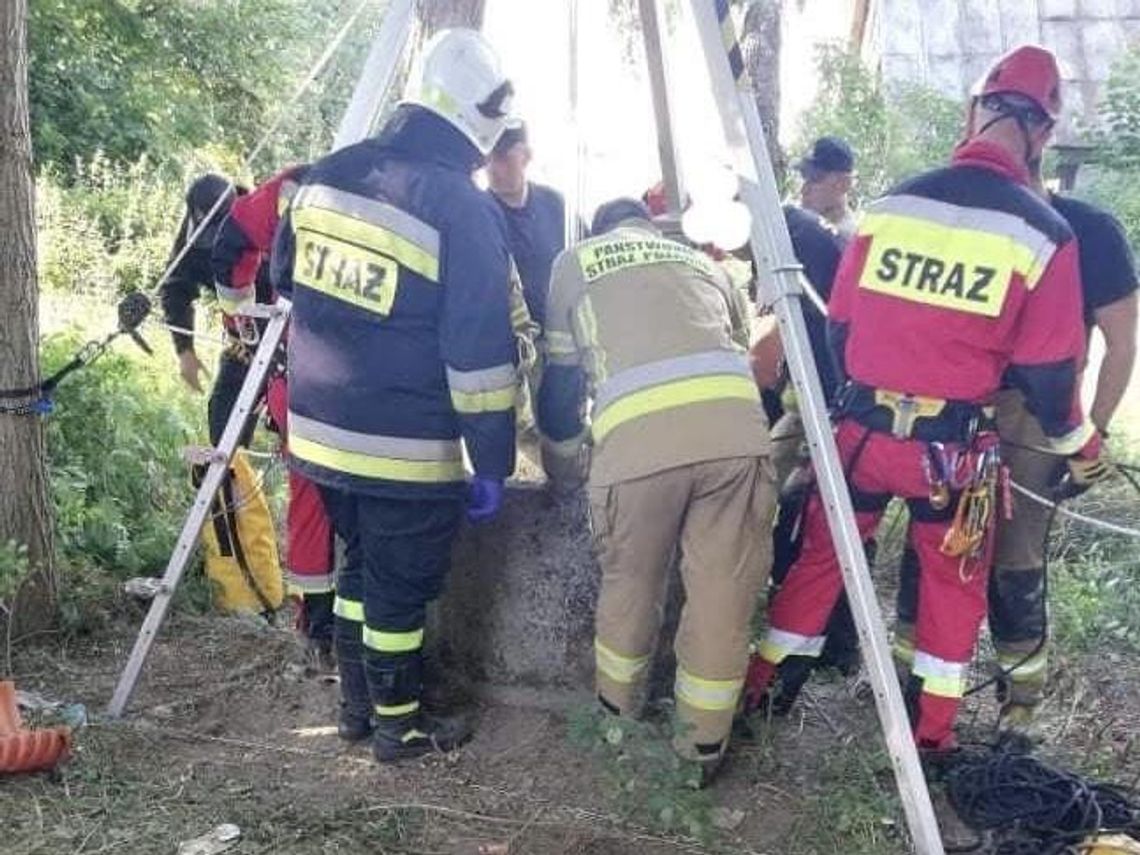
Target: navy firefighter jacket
<point x="401" y="340"/>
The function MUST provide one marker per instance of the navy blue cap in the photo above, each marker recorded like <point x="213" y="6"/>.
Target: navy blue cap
<point x="611" y="214"/>
<point x="515" y="132"/>
<point x="828" y="154"/>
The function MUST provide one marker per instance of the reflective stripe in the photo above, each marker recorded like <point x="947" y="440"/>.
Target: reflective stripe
<point x="779" y="644"/>
<point x="940" y="677"/>
<point x="285" y="193"/>
<point x="588" y="326"/>
<point x="903" y="650"/>
<point x="671" y="395"/>
<point x="322" y="226"/>
<point x="1032" y="241"/>
<point x="715" y="695"/>
<point x="560" y="348"/>
<point x="231" y="299"/>
<point x="372" y="456"/>
<point x="667" y="370"/>
<point x="483" y="391"/>
<point x="321" y="584"/>
<point x="1032" y="669"/>
<point x="396" y="709"/>
<point x="566" y="448"/>
<point x="383" y="641"/>
<point x="620" y="669"/>
<point x="407" y="229"/>
<point x="1073" y="441"/>
<point x="349" y="609"/>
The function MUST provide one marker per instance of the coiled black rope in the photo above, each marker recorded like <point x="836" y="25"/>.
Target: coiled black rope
<point x="1032" y="807"/>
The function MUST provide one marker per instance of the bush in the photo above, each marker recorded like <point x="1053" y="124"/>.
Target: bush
<point x="118" y="484"/>
<point x="895" y="134"/>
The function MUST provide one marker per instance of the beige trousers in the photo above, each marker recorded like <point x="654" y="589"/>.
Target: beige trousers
<point x="718" y="515"/>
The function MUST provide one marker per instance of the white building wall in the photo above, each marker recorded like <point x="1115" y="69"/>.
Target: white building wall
<point x="948" y="44"/>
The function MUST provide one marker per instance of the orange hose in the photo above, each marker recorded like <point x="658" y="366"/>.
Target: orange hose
<point x="24" y="750"/>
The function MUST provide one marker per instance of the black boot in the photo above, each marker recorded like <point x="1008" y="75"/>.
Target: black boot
<point x="355" y="721"/>
<point x="408" y="736"/>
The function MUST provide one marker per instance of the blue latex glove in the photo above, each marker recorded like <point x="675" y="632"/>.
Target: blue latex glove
<point x="484" y="499"/>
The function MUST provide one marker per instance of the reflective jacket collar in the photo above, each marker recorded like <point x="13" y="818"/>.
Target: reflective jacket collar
<point x="989" y="155"/>
<point x="418" y="134"/>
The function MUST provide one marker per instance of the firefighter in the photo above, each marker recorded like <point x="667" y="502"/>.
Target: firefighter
<point x="955" y="280"/>
<point x="181" y="289"/>
<point x="240" y="261"/>
<point x="1017" y="607"/>
<point x="654" y="332"/>
<point x="401" y="347"/>
<point x="818" y="248"/>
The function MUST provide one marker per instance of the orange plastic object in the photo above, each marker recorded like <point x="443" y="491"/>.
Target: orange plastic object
<point x="24" y="750"/>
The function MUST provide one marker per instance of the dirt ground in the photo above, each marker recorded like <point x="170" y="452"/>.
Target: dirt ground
<point x="227" y="727"/>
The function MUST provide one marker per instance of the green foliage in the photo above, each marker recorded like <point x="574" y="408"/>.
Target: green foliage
<point x="14" y="566"/>
<point x="895" y="134"/>
<point x="645" y="777"/>
<point x="1114" y="176"/>
<point x="135" y="77"/>
<point x="856" y="811"/>
<point x="118" y="485"/>
<point x="109" y="230"/>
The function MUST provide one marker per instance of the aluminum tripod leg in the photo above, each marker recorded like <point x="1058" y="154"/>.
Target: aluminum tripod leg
<point x="772" y="247"/>
<point x="368" y="98"/>
<point x="658" y="62"/>
<point x="192" y="527"/>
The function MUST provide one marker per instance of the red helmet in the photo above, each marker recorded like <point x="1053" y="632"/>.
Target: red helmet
<point x="1029" y="71"/>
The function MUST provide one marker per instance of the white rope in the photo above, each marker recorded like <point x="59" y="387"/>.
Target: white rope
<point x="1103" y="524"/>
<point x="282" y="114"/>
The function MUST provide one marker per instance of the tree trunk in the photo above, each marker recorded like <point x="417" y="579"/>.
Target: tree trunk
<point x="439" y="14"/>
<point x="760" y="43"/>
<point x="24" y="513"/>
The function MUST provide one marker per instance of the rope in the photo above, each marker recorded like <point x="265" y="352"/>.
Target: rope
<point x="1079" y="517"/>
<point x="1035" y="808"/>
<point x="282" y="114"/>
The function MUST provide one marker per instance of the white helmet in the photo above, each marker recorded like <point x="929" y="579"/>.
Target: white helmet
<point x="460" y="81"/>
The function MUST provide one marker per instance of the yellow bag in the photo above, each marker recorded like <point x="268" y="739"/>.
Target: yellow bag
<point x="241" y="543"/>
<point x="1110" y="844"/>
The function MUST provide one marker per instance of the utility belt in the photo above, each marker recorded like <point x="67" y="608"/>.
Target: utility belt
<point x="916" y="417"/>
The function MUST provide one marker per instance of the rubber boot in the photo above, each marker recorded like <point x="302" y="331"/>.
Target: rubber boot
<point x="409" y="736"/>
<point x="355" y="723"/>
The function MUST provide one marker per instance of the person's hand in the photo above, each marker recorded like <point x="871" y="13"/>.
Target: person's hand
<point x="1081" y="474"/>
<point x="191" y="369"/>
<point x="484" y="499"/>
<point x="766" y="359"/>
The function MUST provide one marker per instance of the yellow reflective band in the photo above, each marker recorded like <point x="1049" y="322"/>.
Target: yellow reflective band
<point x="321" y="584"/>
<point x="566" y="448"/>
<point x="600" y="258"/>
<point x="944" y="687"/>
<point x="1033" y="667"/>
<point x="620" y="669"/>
<point x="779" y="644"/>
<point x="362" y="277"/>
<point x="484" y="402"/>
<point x="371" y="466"/>
<point x="703" y="694"/>
<point x="349" y="609"/>
<point x="369" y="237"/>
<point x="393" y="642"/>
<point x="396" y="709"/>
<point x="903" y="650"/>
<point x="560" y="342"/>
<point x="962" y="269"/>
<point x="668" y="396"/>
